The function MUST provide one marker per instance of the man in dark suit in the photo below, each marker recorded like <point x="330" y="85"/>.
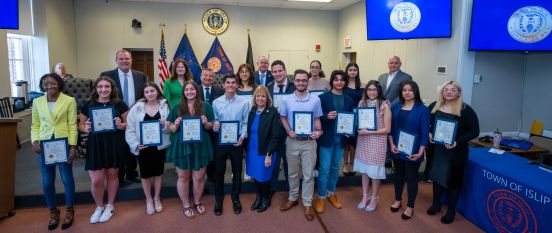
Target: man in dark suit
<point x="212" y="92"/>
<point x="391" y="81"/>
<point x="130" y="84"/>
<point x="263" y="76"/>
<point x="208" y="90"/>
<point x="280" y="85"/>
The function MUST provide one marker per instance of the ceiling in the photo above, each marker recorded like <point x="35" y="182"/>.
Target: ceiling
<point x="334" y="5"/>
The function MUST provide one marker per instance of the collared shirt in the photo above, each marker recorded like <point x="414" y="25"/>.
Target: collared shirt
<point x="263" y="80"/>
<point x="131" y="95"/>
<point x="390" y="79"/>
<point x="276" y="88"/>
<point x="292" y="103"/>
<point x="235" y="109"/>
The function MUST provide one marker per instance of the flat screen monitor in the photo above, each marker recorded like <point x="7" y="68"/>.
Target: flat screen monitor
<point x="9" y="14"/>
<point x="511" y="25"/>
<point x="408" y="19"/>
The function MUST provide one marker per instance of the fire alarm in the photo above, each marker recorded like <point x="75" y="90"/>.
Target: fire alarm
<point x="317" y="47"/>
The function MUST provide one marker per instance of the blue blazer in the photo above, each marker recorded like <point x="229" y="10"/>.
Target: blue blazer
<point x="417" y="123"/>
<point x="328" y="126"/>
<point x="269" y="78"/>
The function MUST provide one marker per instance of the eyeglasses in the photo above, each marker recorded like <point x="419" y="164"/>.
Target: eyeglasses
<point x="301" y="80"/>
<point x="46" y="85"/>
<point x="452" y="90"/>
<point x="315" y="67"/>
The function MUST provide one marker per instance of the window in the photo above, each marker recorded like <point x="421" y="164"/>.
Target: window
<point x="19" y="50"/>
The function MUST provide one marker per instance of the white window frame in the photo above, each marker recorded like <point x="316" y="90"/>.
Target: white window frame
<point x="26" y="51"/>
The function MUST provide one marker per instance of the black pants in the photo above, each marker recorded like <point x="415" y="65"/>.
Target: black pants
<point x="406" y="171"/>
<point x="129" y="168"/>
<point x="235" y="154"/>
<point x="456" y="180"/>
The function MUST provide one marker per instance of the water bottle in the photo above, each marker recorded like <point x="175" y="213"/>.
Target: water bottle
<point x="497" y="137"/>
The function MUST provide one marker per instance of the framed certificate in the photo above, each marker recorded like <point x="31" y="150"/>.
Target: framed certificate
<point x="345" y="124"/>
<point x="277" y="100"/>
<point x="150" y="133"/>
<point x="366" y="118"/>
<point x="102" y="119"/>
<point x="190" y="127"/>
<point x="405" y="144"/>
<point x="55" y="151"/>
<point x="229" y="132"/>
<point x="444" y="131"/>
<point x="302" y="123"/>
<point x="317" y="92"/>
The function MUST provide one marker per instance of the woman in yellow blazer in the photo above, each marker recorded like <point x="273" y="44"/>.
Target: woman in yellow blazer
<point x="55" y="116"/>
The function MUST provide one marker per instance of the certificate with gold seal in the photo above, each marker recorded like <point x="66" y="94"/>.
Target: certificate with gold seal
<point x="345" y="124"/>
<point x="191" y="129"/>
<point x="55" y="151"/>
<point x="405" y="144"/>
<point x="102" y="119"/>
<point x="150" y="133"/>
<point x="229" y="132"/>
<point x="302" y="123"/>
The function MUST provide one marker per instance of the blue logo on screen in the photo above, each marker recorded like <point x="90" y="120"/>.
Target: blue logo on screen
<point x="530" y="24"/>
<point x="405" y="17"/>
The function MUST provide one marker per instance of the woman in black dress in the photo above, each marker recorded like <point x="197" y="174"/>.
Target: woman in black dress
<point x="105" y="151"/>
<point x="354" y="90"/>
<point x="449" y="160"/>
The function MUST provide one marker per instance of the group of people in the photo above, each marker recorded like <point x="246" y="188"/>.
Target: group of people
<point x="264" y="103"/>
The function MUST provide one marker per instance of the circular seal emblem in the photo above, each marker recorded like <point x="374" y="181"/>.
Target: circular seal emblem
<point x="510" y="213"/>
<point x="405" y="17"/>
<point x="214" y="64"/>
<point x="215" y="21"/>
<point x="530" y="24"/>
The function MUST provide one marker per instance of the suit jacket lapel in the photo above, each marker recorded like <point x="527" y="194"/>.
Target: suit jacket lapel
<point x="55" y="113"/>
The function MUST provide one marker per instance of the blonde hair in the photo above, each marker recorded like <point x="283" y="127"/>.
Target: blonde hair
<point x="262" y="90"/>
<point x="457" y="105"/>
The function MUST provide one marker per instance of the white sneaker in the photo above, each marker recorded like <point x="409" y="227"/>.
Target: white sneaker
<point x="95" y="218"/>
<point x="107" y="213"/>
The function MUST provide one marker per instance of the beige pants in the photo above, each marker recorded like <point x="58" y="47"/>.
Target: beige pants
<point x="301" y="156"/>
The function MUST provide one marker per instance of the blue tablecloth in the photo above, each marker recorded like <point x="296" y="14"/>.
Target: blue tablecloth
<point x="503" y="193"/>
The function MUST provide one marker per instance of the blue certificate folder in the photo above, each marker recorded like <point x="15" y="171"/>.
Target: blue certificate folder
<point x="358" y="113"/>
<point x="402" y="154"/>
<point x="51" y="149"/>
<point x="150" y="133"/>
<point x="223" y="137"/>
<point x="99" y="120"/>
<point x="444" y="126"/>
<point x="186" y="128"/>
<point x="341" y="131"/>
<point x="298" y="127"/>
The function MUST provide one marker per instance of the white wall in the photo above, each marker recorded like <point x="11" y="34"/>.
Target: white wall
<point x="62" y="44"/>
<point x="104" y="28"/>
<point x="5" y="89"/>
<point x="419" y="56"/>
<point x="537" y="94"/>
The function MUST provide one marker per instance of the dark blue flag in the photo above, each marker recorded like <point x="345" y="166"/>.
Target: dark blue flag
<point x="217" y="60"/>
<point x="186" y="53"/>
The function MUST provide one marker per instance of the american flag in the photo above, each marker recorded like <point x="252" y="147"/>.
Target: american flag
<point x="162" y="63"/>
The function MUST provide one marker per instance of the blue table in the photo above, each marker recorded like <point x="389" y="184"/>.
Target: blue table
<point x="503" y="193"/>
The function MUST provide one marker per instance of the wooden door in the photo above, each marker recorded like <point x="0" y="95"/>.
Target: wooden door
<point x="142" y="60"/>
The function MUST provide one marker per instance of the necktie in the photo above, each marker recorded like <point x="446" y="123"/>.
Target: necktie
<point x="263" y="76"/>
<point x="281" y="88"/>
<point x="125" y="88"/>
<point x="207" y="94"/>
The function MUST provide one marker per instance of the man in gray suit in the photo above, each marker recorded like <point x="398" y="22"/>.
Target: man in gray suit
<point x="130" y="84"/>
<point x="391" y="81"/>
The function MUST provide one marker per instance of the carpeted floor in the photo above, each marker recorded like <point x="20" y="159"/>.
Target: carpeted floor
<point x="130" y="216"/>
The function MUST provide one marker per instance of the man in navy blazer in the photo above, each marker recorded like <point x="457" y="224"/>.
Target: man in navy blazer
<point x="263" y="76"/>
<point x="391" y="81"/>
<point x="207" y="81"/>
<point x="136" y="82"/>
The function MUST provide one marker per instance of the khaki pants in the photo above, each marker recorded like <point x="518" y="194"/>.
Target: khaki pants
<point x="301" y="156"/>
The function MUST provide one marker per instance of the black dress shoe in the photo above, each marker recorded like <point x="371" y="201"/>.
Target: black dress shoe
<point x="135" y="179"/>
<point x="448" y="217"/>
<point x="265" y="203"/>
<point x="393" y="209"/>
<point x="433" y="210"/>
<point x="236" y="204"/>
<point x="218" y="208"/>
<point x="256" y="203"/>
<point x="406" y="217"/>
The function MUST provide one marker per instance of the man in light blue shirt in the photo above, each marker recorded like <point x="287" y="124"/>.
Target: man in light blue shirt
<point x="229" y="107"/>
<point x="301" y="150"/>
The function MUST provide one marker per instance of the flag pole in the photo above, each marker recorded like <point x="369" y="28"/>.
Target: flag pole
<point x="185" y="28"/>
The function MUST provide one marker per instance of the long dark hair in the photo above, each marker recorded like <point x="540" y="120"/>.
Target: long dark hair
<point x="251" y="81"/>
<point x="114" y="96"/>
<point x="357" y="78"/>
<point x="381" y="96"/>
<point x="415" y="89"/>
<point x="198" y="108"/>
<point x="160" y="95"/>
<point x="321" y="74"/>
<point x="187" y="75"/>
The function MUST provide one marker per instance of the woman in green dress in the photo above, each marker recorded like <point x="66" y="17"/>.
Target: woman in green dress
<point x="172" y="88"/>
<point x="191" y="158"/>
